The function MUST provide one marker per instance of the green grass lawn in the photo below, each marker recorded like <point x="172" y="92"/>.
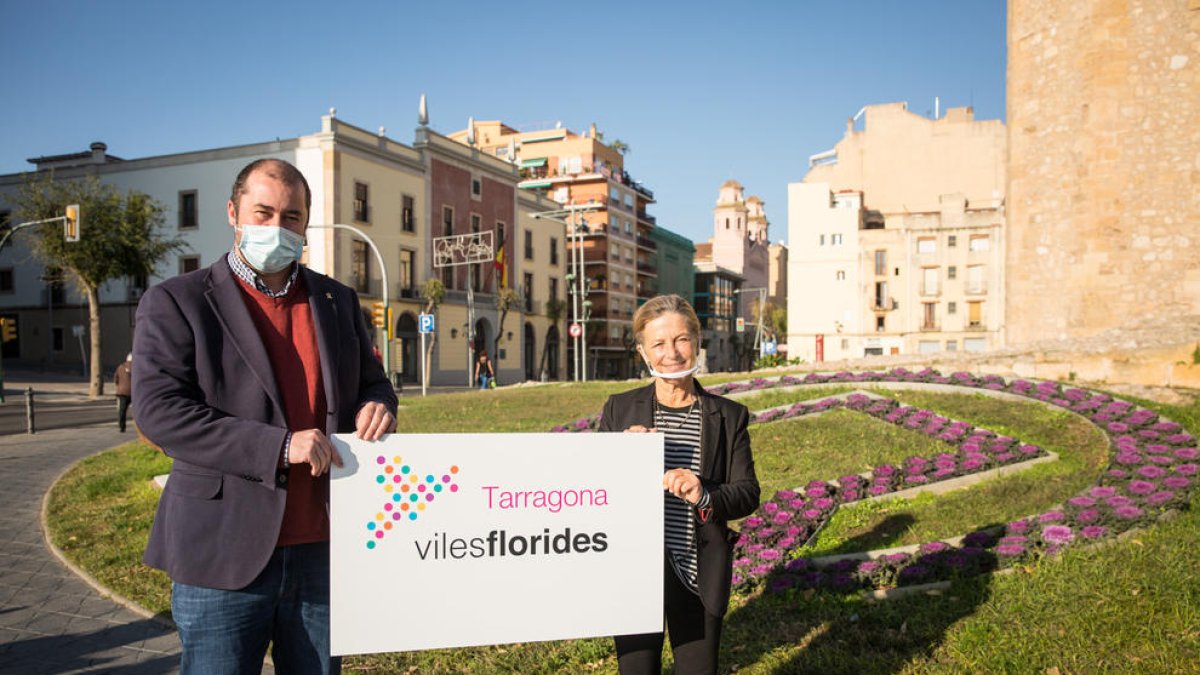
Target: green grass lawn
<point x="1127" y="606"/>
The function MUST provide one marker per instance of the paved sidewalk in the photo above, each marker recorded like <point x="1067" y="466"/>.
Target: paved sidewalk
<point x="50" y="620"/>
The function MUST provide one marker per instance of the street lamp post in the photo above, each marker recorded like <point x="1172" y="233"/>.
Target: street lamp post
<point x="387" y="347"/>
<point x="576" y="281"/>
<point x="758" y="329"/>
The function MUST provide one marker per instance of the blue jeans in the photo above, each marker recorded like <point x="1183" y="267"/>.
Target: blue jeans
<point x="483" y="381"/>
<point x="288" y="605"/>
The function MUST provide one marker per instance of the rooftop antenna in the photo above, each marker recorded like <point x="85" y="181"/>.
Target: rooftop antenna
<point x="423" y="112"/>
<point x="937" y="107"/>
<point x="333" y="112"/>
<point x="471" y="130"/>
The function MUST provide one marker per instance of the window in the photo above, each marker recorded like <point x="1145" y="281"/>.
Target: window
<point x="974" y="344"/>
<point x="628" y="227"/>
<point x="500" y="235"/>
<point x="360" y="266"/>
<point x="929" y="281"/>
<point x="873" y="351"/>
<point x="880" y="324"/>
<point x="975" y="315"/>
<point x="476" y="278"/>
<point x="6" y="280"/>
<point x="361" y="208"/>
<point x="835" y="239"/>
<point x="407" y="221"/>
<point x="952" y="272"/>
<point x="527" y="291"/>
<point x="820" y="240"/>
<point x="188" y="263"/>
<point x="927" y="245"/>
<point x="841" y="275"/>
<point x="529" y="244"/>
<point x="476" y="187"/>
<point x="929" y="321"/>
<point x="553" y="288"/>
<point x="976" y="283"/>
<point x="880" y="263"/>
<point x="475" y="223"/>
<point x="408" y="271"/>
<point x="448" y="277"/>
<point x="951" y="241"/>
<point x="188" y="218"/>
<point x="980" y="243"/>
<point x="881" y="295"/>
<point x="727" y="227"/>
<point x="845" y="343"/>
<point x="952" y="308"/>
<point x="447" y="221"/>
<point x="616" y="252"/>
<point x="951" y="345"/>
<point x="928" y="346"/>
<point x="629" y="200"/>
<point x="553" y="250"/>
<point x="56" y="338"/>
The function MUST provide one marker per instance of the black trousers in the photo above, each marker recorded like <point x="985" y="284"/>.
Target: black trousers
<point x="122" y="411"/>
<point x="695" y="635"/>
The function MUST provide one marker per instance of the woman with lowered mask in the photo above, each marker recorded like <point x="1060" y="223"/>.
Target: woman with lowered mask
<point x="708" y="480"/>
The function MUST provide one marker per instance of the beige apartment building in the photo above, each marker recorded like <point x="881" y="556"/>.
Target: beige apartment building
<point x="586" y="178"/>
<point x="897" y="238"/>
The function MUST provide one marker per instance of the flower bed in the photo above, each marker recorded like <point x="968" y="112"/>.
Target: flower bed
<point x="1152" y="470"/>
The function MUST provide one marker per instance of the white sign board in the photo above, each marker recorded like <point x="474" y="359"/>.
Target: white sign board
<point x="453" y="540"/>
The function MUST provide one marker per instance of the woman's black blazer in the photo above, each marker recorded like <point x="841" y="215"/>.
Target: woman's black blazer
<point x="726" y="471"/>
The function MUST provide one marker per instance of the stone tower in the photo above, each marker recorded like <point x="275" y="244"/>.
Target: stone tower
<point x="1104" y="171"/>
<point x="730" y="222"/>
<point x="756" y="219"/>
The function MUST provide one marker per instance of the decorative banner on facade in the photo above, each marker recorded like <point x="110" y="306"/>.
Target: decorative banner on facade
<point x="454" y="540"/>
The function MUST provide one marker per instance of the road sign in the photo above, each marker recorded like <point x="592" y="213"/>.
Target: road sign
<point x="741" y="324"/>
<point x="425" y="323"/>
<point x="575" y="330"/>
<point x="769" y="347"/>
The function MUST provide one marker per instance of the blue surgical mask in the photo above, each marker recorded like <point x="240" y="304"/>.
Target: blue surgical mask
<point x="269" y="248"/>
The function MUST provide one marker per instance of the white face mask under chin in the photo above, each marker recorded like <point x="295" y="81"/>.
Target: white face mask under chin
<point x="671" y="376"/>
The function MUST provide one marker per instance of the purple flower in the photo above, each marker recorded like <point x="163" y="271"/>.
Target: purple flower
<point x="1187" y="454"/>
<point x="784" y="495"/>
<point x="581" y="424"/>
<point x="1094" y="531"/>
<point x="1051" y="517"/>
<point x="1087" y="516"/>
<point x="916" y="480"/>
<point x="877" y="490"/>
<point x="761" y="570"/>
<point x="1128" y="512"/>
<point x="1081" y="501"/>
<point x="1013" y="539"/>
<point x="1151" y="472"/>
<point x="796" y="504"/>
<point x="770" y="508"/>
<point x="822" y="503"/>
<point x="1057" y="534"/>
<point x="1019" y="526"/>
<point x="978" y="538"/>
<point x="1141" y="487"/>
<point x="1118" y="501"/>
<point x="1186" y="469"/>
<point x="1117" y="427"/>
<point x="934" y="547"/>
<point x="811" y="514"/>
<point x="742" y="562"/>
<point x="1103" y="492"/>
<point x="1160" y="498"/>
<point x="770" y="555"/>
<point x="868" y="567"/>
<point x="1010" y="550"/>
<point x="796" y="565"/>
<point x="1176" y="482"/>
<point x="1117" y="473"/>
<point x="1180" y="439"/>
<point x="781" y="517"/>
<point x="752" y="522"/>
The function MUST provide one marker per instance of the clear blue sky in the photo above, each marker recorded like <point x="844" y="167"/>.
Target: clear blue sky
<point x="701" y="91"/>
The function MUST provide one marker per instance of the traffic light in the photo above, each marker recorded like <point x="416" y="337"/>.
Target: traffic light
<point x="379" y="315"/>
<point x="72" y="223"/>
<point x="8" y="329"/>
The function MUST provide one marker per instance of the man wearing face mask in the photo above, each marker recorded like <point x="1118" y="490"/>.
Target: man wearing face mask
<point x="244" y="369"/>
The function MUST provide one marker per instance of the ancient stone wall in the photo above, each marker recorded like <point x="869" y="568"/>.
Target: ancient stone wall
<point x="1104" y="173"/>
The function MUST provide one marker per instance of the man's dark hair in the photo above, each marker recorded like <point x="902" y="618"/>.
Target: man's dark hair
<point x="277" y="169"/>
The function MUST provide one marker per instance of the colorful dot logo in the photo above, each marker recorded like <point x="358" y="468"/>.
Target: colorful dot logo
<point x="420" y="493"/>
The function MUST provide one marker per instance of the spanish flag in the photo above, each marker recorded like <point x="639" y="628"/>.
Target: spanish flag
<point x="501" y="268"/>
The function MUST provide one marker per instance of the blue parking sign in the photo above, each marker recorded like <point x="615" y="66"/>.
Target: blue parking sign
<point x="425" y="323"/>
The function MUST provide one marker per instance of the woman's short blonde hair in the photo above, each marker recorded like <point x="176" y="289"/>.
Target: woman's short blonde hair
<point x="665" y="304"/>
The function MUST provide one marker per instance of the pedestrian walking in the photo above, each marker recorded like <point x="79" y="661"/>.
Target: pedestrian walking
<point x="123" y="378"/>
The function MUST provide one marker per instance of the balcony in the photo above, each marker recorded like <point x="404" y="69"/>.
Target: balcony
<point x="930" y="327"/>
<point x="648" y="269"/>
<point x="647" y="243"/>
<point x="406" y="292"/>
<point x="976" y="325"/>
<point x="931" y="291"/>
<point x="646" y="217"/>
<point x="885" y="304"/>
<point x="976" y="288"/>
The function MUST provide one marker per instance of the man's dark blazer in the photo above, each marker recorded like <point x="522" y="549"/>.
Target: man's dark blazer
<point x="726" y="471"/>
<point x="205" y="393"/>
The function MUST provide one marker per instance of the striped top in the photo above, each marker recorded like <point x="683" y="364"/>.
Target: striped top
<point x="681" y="426"/>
